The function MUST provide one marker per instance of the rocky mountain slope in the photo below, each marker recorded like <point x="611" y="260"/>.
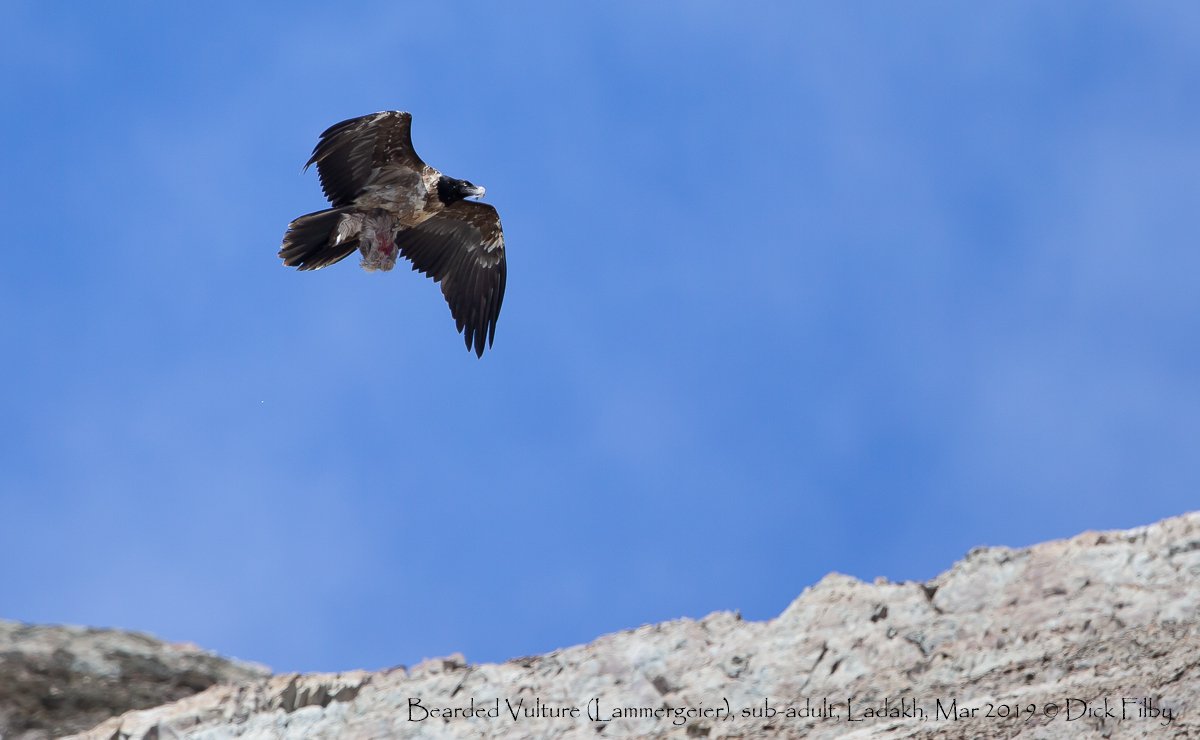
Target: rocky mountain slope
<point x="58" y="680"/>
<point x="1096" y="636"/>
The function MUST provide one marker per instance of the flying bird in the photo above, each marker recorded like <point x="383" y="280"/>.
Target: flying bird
<point x="388" y="203"/>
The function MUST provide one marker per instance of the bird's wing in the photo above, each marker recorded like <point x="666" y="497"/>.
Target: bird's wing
<point x="463" y="249"/>
<point x="351" y="153"/>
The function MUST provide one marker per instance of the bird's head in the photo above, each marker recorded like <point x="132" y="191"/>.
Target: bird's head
<point x="450" y="190"/>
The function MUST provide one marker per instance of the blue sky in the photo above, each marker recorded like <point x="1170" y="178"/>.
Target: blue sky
<point x="793" y="288"/>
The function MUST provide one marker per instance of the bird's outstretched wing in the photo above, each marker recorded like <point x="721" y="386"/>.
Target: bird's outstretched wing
<point x="463" y="249"/>
<point x="352" y="154"/>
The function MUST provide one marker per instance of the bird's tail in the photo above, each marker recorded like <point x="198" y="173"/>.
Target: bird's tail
<point x="319" y="239"/>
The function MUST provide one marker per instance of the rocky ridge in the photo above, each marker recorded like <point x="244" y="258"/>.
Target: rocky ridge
<point x="1096" y="636"/>
<point x="58" y="680"/>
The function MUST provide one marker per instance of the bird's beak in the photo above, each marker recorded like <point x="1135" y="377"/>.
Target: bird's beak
<point x="477" y="192"/>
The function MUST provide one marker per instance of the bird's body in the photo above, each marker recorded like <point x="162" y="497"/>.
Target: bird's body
<point x="388" y="203"/>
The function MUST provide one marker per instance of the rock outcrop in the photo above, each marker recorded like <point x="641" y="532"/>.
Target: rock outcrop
<point x="58" y="680"/>
<point x="1097" y="636"/>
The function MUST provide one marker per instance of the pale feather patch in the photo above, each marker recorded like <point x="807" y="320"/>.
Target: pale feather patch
<point x="350" y="225"/>
<point x="378" y="244"/>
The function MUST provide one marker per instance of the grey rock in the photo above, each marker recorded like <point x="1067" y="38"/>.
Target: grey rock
<point x="58" y="680"/>
<point x="1096" y="636"/>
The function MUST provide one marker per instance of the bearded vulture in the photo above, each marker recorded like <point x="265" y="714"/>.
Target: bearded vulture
<point x="387" y="202"/>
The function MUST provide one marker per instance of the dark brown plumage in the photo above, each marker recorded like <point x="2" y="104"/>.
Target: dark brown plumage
<point x="388" y="203"/>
